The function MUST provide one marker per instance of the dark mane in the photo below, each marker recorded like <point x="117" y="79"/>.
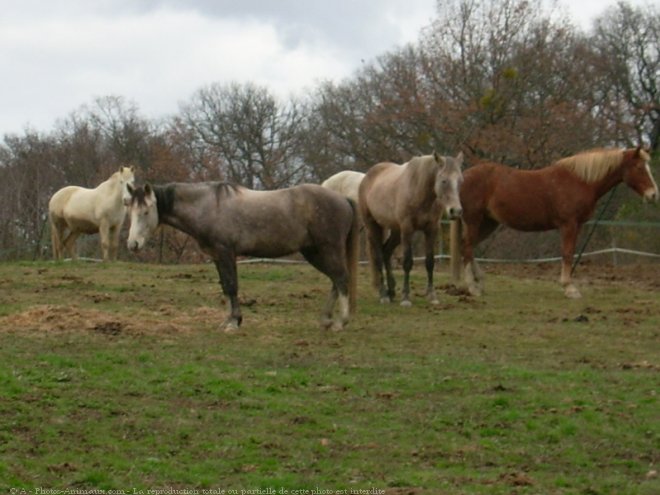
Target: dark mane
<point x="164" y="199"/>
<point x="224" y="188"/>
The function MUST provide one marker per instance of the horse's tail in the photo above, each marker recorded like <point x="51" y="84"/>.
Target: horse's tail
<point x="55" y="238"/>
<point x="455" y="234"/>
<point x="352" y="256"/>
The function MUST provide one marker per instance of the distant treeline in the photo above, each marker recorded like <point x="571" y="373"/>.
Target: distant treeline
<point x="502" y="80"/>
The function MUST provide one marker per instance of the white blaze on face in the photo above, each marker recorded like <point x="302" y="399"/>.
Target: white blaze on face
<point x="448" y="183"/>
<point x="144" y="220"/>
<point x="651" y="194"/>
<point x="126" y="194"/>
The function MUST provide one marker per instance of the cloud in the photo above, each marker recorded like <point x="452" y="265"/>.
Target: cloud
<point x="59" y="55"/>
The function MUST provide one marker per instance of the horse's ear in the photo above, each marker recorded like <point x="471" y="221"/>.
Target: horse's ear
<point x="130" y="189"/>
<point x="459" y="158"/>
<point x="439" y="158"/>
<point x="638" y="150"/>
<point x="148" y="190"/>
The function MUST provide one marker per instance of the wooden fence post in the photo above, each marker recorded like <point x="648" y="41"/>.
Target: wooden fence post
<point x="455" y="250"/>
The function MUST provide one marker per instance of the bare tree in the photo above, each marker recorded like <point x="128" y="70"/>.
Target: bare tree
<point x="255" y="137"/>
<point x="628" y="41"/>
<point x="506" y="81"/>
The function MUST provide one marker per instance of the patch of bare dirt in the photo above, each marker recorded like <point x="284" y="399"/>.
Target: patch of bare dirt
<point x="59" y="318"/>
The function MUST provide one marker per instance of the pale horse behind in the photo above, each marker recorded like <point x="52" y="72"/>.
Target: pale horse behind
<point x="346" y="182"/>
<point x="75" y="210"/>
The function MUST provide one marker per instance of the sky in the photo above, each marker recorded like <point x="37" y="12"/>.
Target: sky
<point x="59" y="55"/>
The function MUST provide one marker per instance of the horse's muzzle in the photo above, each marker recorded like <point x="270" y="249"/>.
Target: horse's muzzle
<point x="651" y="195"/>
<point x="455" y="212"/>
<point x="133" y="246"/>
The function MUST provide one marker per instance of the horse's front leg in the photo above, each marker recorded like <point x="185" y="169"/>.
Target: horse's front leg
<point x="105" y="234"/>
<point x="430" y="239"/>
<point x="406" y="241"/>
<point x="114" y="242"/>
<point x="393" y="240"/>
<point x="225" y="263"/>
<point x="568" y="235"/>
<point x="472" y="274"/>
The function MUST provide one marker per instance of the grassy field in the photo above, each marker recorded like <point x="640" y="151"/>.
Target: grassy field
<point x="115" y="377"/>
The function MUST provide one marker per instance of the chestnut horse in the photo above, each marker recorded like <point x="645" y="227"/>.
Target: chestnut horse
<point x="403" y="199"/>
<point x="560" y="196"/>
<point x="75" y="210"/>
<point x="228" y="221"/>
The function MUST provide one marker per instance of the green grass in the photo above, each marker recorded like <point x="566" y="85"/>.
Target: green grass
<point x="114" y="376"/>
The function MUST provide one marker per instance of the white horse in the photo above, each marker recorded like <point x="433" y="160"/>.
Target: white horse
<point x="75" y="210"/>
<point x="346" y="182"/>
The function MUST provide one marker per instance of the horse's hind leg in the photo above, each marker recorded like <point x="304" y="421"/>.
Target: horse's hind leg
<point x="333" y="264"/>
<point x="70" y="244"/>
<point x="377" y="257"/>
<point x="327" y="321"/>
<point x="56" y="239"/>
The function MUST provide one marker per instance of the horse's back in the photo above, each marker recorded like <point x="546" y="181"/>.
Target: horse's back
<point x="280" y="222"/>
<point x="346" y="182"/>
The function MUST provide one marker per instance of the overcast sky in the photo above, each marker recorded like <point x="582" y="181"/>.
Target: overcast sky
<point x="58" y="55"/>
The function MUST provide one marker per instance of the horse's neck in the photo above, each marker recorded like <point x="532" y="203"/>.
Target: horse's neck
<point x="177" y="205"/>
<point x="422" y="178"/>
<point x="110" y="187"/>
<point x="602" y="186"/>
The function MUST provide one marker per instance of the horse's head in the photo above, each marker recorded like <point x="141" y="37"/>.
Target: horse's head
<point x="144" y="216"/>
<point x="126" y="180"/>
<point x="637" y="174"/>
<point x="448" y="182"/>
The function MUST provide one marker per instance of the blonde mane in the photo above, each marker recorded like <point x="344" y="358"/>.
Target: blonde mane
<point x="593" y="165"/>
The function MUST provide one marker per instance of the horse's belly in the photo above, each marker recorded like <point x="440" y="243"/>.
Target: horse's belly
<point x="83" y="226"/>
<point x="272" y="246"/>
<point x="526" y="216"/>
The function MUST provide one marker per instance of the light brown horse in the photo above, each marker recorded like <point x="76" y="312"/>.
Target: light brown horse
<point x="75" y="210"/>
<point x="560" y="196"/>
<point x="404" y="199"/>
<point x="228" y="220"/>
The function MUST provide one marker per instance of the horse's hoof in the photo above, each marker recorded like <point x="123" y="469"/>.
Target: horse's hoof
<point x="475" y="291"/>
<point x="326" y="323"/>
<point x="337" y="327"/>
<point x="406" y="303"/>
<point x="434" y="300"/>
<point x="230" y="327"/>
<point x="385" y="300"/>
<point x="572" y="292"/>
